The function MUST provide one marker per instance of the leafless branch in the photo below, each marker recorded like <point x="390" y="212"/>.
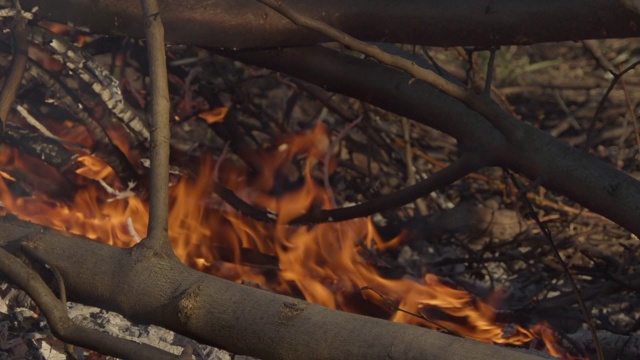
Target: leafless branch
<point x="498" y="118"/>
<point x="426" y="22"/>
<point x="61" y="326"/>
<point x="157" y="235"/>
<point x="18" y="65"/>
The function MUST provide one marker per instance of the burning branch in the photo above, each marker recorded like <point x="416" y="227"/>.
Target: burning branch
<point x="239" y="318"/>
<point x="98" y="79"/>
<point x="467" y="164"/>
<point x="110" y="153"/>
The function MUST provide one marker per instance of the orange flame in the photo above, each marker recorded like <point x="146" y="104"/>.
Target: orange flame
<point x="325" y="262"/>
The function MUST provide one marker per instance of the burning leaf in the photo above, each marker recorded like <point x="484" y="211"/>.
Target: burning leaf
<point x="214" y="115"/>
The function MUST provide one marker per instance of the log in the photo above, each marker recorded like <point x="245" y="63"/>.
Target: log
<point x="160" y="290"/>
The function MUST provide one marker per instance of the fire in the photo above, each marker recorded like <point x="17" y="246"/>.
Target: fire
<point x="326" y="263"/>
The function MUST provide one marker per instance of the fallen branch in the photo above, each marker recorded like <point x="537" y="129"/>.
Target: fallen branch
<point x="427" y="22"/>
<point x="579" y="176"/>
<point x="238" y="318"/>
<point x="61" y="325"/>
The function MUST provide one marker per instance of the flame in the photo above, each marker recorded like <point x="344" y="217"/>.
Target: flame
<point x="326" y="263"/>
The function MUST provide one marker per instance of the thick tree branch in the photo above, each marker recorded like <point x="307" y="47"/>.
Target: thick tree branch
<point x="537" y="155"/>
<point x="246" y="24"/>
<point x="482" y="104"/>
<point x="61" y="325"/>
<point x="238" y="318"/>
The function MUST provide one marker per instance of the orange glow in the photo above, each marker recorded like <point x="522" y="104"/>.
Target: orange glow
<point x="214" y="115"/>
<point x="94" y="168"/>
<point x="326" y="262"/>
<point x="7" y="176"/>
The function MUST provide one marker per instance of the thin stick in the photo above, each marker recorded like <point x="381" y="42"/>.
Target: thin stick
<point x="490" y="71"/>
<point x="421" y="206"/>
<point x="632" y="114"/>
<point x="157" y="235"/>
<point x="576" y="290"/>
<point x="18" y="65"/>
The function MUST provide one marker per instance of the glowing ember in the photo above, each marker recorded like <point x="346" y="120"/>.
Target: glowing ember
<point x="214" y="115"/>
<point x="324" y="262"/>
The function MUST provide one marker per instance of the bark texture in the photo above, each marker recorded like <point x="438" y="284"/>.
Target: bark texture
<point x="235" y="317"/>
<point x="533" y="152"/>
<point x="249" y="24"/>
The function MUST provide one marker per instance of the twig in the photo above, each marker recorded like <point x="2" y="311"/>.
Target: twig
<point x="490" y="71"/>
<point x="327" y="157"/>
<point x="456" y="171"/>
<point x="547" y="233"/>
<point x="616" y="78"/>
<point x="498" y="117"/>
<point x="62" y="326"/>
<point x="421" y="207"/>
<point x="35" y="123"/>
<point x="393" y="306"/>
<point x="18" y="65"/>
<point x="594" y="48"/>
<point x="632" y="114"/>
<point x="157" y="234"/>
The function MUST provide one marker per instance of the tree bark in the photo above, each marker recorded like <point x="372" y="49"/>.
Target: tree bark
<point x="241" y="319"/>
<point x="534" y="153"/>
<point x="248" y="24"/>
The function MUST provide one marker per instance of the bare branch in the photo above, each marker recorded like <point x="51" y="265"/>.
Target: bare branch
<point x="18" y="64"/>
<point x="581" y="177"/>
<point x="158" y="237"/>
<point x="61" y="326"/>
<point x="238" y="318"/>
<point x="425" y="22"/>
<point x="498" y="118"/>
<point x="456" y="171"/>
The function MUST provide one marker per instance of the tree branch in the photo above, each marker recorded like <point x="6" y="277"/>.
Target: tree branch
<point x="579" y="176"/>
<point x="246" y="24"/>
<point x="60" y="323"/>
<point x="18" y="65"/>
<point x="158" y="235"/>
<point x="238" y="318"/>
<point x="467" y="164"/>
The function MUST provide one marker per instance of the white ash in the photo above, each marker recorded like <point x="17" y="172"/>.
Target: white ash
<point x="16" y="305"/>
